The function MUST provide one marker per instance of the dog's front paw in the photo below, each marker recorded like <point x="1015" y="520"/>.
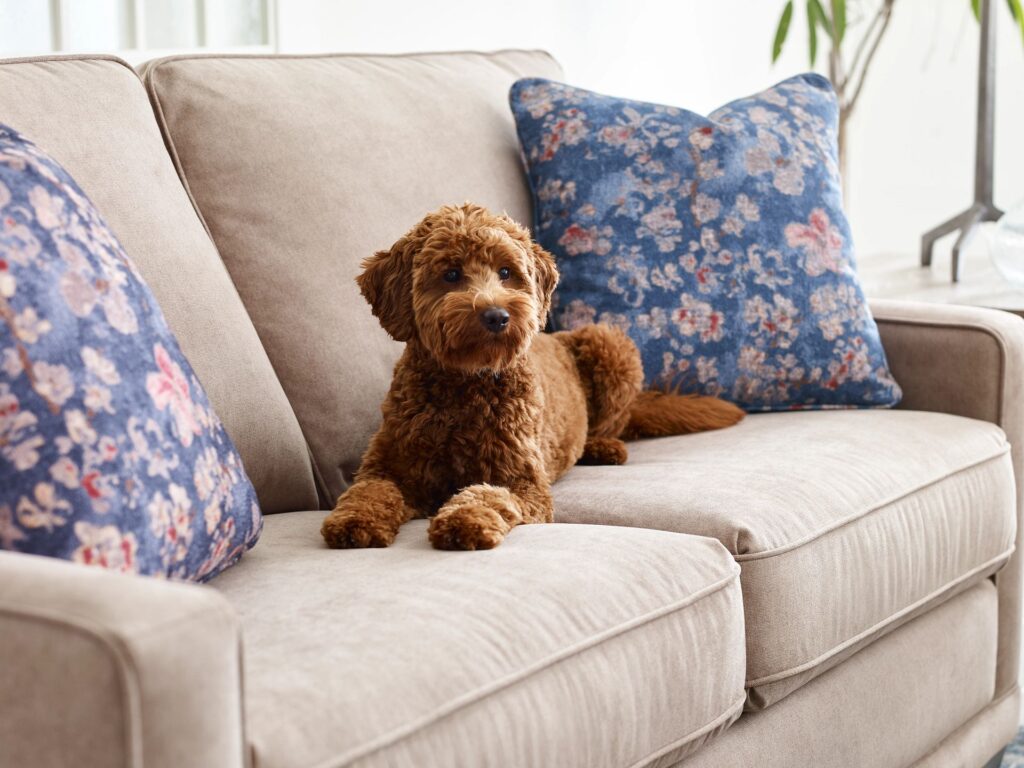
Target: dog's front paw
<point x="476" y="518"/>
<point x="348" y="529"/>
<point x="467" y="527"/>
<point x="368" y="514"/>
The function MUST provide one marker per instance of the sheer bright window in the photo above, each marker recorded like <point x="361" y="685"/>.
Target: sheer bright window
<point x="126" y="26"/>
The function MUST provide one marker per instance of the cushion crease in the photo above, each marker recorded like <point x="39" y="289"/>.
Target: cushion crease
<point x="497" y="686"/>
<point x="974" y="572"/>
<point x="706" y="728"/>
<point x="748" y="556"/>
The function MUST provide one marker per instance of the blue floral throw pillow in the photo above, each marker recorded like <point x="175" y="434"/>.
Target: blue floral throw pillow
<point x="110" y="454"/>
<point x="717" y="243"/>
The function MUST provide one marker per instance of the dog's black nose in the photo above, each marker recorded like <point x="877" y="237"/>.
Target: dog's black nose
<point x="494" y="319"/>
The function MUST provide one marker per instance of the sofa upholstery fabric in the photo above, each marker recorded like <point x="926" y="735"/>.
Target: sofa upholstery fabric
<point x="840" y="721"/>
<point x="568" y="645"/>
<point x="968" y="361"/>
<point x="845" y="523"/>
<point x="304" y="166"/>
<point x="101" y="669"/>
<point x="979" y="739"/>
<point x="91" y="114"/>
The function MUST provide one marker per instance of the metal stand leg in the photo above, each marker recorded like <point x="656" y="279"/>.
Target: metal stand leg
<point x="983" y="208"/>
<point x="967" y="223"/>
<point x="996" y="761"/>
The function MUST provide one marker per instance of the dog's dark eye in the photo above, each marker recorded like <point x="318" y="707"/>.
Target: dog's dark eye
<point x="504" y="273"/>
<point x="452" y="276"/>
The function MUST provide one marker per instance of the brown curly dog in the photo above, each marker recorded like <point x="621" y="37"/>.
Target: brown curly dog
<point x="485" y="412"/>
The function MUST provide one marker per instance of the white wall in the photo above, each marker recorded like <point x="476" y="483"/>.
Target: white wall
<point x="912" y="139"/>
<point x="912" y="161"/>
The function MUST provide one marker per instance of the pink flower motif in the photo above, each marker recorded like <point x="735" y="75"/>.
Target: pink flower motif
<point x="695" y="317"/>
<point x="577" y="240"/>
<point x="821" y="242"/>
<point x="617" y="134"/>
<point x="577" y="314"/>
<point x="567" y="130"/>
<point x="106" y="547"/>
<point x="169" y="389"/>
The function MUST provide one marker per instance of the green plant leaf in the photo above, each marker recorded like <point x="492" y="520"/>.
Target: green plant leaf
<point x="838" y="20"/>
<point x="820" y="16"/>
<point x="782" y="31"/>
<point x="1018" y="15"/>
<point x="976" y="9"/>
<point x="812" y="32"/>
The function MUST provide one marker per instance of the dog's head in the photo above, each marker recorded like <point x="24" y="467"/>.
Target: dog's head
<point x="468" y="285"/>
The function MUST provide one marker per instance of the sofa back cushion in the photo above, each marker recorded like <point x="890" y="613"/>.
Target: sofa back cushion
<point x="91" y="115"/>
<point x="304" y="166"/>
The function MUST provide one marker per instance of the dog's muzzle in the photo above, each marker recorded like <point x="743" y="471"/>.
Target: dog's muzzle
<point x="494" y="319"/>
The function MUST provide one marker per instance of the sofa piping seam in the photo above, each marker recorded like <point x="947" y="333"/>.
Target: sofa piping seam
<point x="71" y="57"/>
<point x="693" y="735"/>
<point x="464" y="700"/>
<point x="987" y="331"/>
<point x="1002" y="344"/>
<point x="991" y="705"/>
<point x="92" y="629"/>
<point x="879" y="626"/>
<point x="153" y="63"/>
<point x="821" y="532"/>
<point x="1003" y="696"/>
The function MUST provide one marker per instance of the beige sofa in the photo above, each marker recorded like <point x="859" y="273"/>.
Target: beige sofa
<point x="833" y="588"/>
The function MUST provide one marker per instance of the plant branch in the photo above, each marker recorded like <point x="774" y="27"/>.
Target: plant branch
<point x="886" y="13"/>
<point x="863" y="44"/>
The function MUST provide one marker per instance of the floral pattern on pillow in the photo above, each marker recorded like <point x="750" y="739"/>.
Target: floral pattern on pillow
<point x="110" y="453"/>
<point x="718" y="243"/>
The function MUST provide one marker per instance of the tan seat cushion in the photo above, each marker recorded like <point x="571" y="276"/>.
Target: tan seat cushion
<point x="845" y="523"/>
<point x="304" y="166"/>
<point x="92" y="115"/>
<point x="566" y="645"/>
<point x="888" y="705"/>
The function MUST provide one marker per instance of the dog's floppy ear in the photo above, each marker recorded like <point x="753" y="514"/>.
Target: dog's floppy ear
<point x="386" y="283"/>
<point x="547" y="279"/>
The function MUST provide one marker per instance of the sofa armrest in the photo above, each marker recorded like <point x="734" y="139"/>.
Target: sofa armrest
<point x="969" y="362"/>
<point x="98" y="668"/>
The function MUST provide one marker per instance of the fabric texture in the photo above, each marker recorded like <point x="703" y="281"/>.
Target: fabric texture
<point x="108" y="140"/>
<point x="968" y="361"/>
<point x="110" y="451"/>
<point x="888" y="705"/>
<point x="353" y="150"/>
<point x="1014" y="757"/>
<point x="98" y="669"/>
<point x="846" y="523"/>
<point x="979" y="739"/>
<point x="521" y="655"/>
<point x="718" y="243"/>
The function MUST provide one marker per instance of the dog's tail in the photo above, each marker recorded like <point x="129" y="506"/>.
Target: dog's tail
<point x="659" y="414"/>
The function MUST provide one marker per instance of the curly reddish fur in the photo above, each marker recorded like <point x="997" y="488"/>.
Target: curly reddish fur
<point x="478" y="424"/>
